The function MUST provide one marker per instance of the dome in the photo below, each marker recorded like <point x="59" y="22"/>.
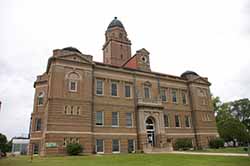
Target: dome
<point x="115" y="23"/>
<point x="73" y="49"/>
<point x="188" y="72"/>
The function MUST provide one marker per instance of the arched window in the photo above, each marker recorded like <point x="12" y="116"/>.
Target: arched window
<point x="40" y="98"/>
<point x="73" y="79"/>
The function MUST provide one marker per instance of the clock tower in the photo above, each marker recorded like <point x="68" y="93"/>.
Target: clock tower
<point x="117" y="46"/>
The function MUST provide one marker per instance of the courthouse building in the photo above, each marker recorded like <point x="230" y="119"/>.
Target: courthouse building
<point x="118" y="106"/>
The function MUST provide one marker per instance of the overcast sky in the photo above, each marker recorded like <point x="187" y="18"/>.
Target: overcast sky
<point x="211" y="37"/>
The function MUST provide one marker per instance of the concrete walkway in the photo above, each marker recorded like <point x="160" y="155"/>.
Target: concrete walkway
<point x="202" y="153"/>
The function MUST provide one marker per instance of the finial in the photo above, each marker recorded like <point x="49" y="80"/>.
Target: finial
<point x="115" y="18"/>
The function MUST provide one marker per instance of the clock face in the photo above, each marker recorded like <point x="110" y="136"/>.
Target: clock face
<point x="144" y="59"/>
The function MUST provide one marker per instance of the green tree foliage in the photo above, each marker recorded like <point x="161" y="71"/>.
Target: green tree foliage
<point x="183" y="144"/>
<point x="233" y="119"/>
<point x="3" y="143"/>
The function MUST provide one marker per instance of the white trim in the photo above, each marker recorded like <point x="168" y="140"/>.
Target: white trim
<point x="96" y="79"/>
<point x="102" y="119"/>
<point x="103" y="146"/>
<point x="117" y="89"/>
<point x="94" y="133"/>
<point x="118" y="115"/>
<point x="132" y="124"/>
<point x="115" y="152"/>
<point x="39" y="138"/>
<point x="149" y="91"/>
<point x="130" y="89"/>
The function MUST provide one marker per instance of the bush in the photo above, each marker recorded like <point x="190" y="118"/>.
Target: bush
<point x="216" y="143"/>
<point x="183" y="144"/>
<point x="74" y="149"/>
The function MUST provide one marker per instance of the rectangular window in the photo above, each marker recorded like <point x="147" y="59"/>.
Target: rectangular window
<point x="131" y="146"/>
<point x="163" y="94"/>
<point x="177" y="121"/>
<point x="184" y="98"/>
<point x="129" y="119"/>
<point x="114" y="89"/>
<point x="174" y="95"/>
<point x="187" y="121"/>
<point x="115" y="117"/>
<point x="99" y="119"/>
<point x="127" y="91"/>
<point x="166" y="120"/>
<point x="147" y="92"/>
<point x="72" y="86"/>
<point x="99" y="87"/>
<point x="38" y="124"/>
<point x="115" y="146"/>
<point x="99" y="146"/>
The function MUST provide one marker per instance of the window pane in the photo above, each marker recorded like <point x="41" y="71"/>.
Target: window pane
<point x="131" y="147"/>
<point x="129" y="119"/>
<point x="114" y="118"/>
<point x="113" y="89"/>
<point x="146" y="92"/>
<point x="166" y="120"/>
<point x="115" y="145"/>
<point x="72" y="85"/>
<point x="187" y="121"/>
<point x="99" y="118"/>
<point x="184" y="100"/>
<point x="174" y="96"/>
<point x="99" y="145"/>
<point x="177" y="121"/>
<point x="99" y="87"/>
<point x="127" y="91"/>
<point x="163" y="95"/>
<point x="38" y="125"/>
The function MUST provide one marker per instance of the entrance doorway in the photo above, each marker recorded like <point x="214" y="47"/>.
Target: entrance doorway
<point x="150" y="128"/>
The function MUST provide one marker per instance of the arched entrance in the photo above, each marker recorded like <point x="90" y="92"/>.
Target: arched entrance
<point x="150" y="128"/>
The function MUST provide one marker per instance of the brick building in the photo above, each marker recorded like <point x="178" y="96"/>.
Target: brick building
<point x="117" y="106"/>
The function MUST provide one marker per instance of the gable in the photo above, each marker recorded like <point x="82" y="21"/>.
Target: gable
<point x="77" y="58"/>
<point x="201" y="80"/>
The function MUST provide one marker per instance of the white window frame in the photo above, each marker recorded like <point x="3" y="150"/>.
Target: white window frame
<point x="168" y="120"/>
<point x="133" y="144"/>
<point x="117" y="89"/>
<point x="165" y="93"/>
<point x="172" y="96"/>
<point x="179" y="119"/>
<point x="72" y="81"/>
<point x="102" y="119"/>
<point x="118" y="117"/>
<point x="149" y="92"/>
<point x="131" y="120"/>
<point x="103" y="146"/>
<point x="119" y="143"/>
<point x="102" y="87"/>
<point x="130" y="88"/>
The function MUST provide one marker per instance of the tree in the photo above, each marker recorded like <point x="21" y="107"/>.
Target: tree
<point x="232" y="129"/>
<point x="3" y="143"/>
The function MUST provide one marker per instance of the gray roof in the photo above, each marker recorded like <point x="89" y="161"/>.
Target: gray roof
<point x="73" y="49"/>
<point x="115" y="23"/>
<point x="189" y="72"/>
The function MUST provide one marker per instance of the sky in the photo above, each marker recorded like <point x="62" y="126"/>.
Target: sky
<point x="210" y="37"/>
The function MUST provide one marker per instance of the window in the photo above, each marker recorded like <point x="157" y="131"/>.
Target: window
<point x="40" y="98"/>
<point x="177" y="121"/>
<point x="78" y="111"/>
<point x="129" y="119"/>
<point x="99" y="146"/>
<point x="99" y="87"/>
<point x="115" y="119"/>
<point x="166" y="120"/>
<point x="38" y="124"/>
<point x="127" y="91"/>
<point x="114" y="89"/>
<point x="174" y="95"/>
<point x="187" y="121"/>
<point x="35" y="148"/>
<point x="99" y="118"/>
<point x="115" y="146"/>
<point x="147" y="92"/>
<point x="72" y="86"/>
<point x="131" y="146"/>
<point x="184" y="98"/>
<point x="163" y="94"/>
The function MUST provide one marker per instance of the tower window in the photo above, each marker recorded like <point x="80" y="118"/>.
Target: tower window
<point x="38" y="124"/>
<point x="40" y="98"/>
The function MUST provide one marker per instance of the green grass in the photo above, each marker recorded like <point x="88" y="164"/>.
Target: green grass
<point x="224" y="150"/>
<point x="129" y="160"/>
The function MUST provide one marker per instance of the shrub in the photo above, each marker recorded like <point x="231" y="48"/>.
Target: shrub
<point x="216" y="143"/>
<point x="183" y="144"/>
<point x="74" y="149"/>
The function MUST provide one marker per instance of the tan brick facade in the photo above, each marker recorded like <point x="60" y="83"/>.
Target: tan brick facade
<point x="70" y="102"/>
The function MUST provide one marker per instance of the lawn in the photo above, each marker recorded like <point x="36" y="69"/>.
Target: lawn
<point x="224" y="150"/>
<point x="129" y="160"/>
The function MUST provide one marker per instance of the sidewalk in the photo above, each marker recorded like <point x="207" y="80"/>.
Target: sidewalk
<point x="204" y="153"/>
